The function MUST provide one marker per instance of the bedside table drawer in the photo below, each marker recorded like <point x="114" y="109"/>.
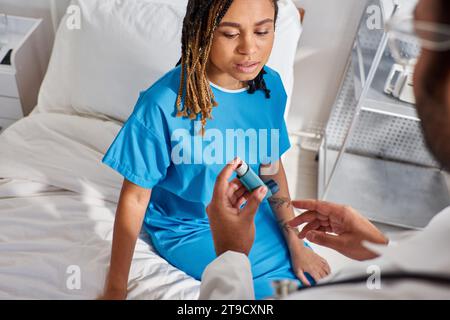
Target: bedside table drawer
<point x="5" y="123"/>
<point x="10" y="108"/>
<point x="8" y="85"/>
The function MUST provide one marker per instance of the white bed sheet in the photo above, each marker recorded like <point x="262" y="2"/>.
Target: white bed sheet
<point x="57" y="206"/>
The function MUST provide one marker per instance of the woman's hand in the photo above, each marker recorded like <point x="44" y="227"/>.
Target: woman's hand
<point x="305" y="260"/>
<point x="115" y="288"/>
<point x="337" y="227"/>
<point x="114" y="294"/>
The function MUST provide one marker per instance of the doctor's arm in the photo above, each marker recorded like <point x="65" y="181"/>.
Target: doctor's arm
<point x="229" y="276"/>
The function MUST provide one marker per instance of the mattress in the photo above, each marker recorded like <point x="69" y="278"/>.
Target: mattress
<point x="57" y="206"/>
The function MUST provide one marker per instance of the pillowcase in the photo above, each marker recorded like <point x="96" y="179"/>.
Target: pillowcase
<point x="287" y="36"/>
<point x="123" y="47"/>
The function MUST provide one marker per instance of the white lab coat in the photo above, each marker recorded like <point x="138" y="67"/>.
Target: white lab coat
<point x="229" y="276"/>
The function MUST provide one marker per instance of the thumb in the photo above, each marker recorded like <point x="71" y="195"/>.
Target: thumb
<point x="253" y="202"/>
<point x="326" y="240"/>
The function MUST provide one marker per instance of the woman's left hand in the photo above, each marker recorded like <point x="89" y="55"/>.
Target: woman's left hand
<point x="305" y="260"/>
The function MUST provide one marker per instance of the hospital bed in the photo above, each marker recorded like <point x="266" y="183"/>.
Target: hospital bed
<point x="57" y="200"/>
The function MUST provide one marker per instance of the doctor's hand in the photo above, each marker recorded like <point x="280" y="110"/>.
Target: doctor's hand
<point x="233" y="228"/>
<point x="338" y="227"/>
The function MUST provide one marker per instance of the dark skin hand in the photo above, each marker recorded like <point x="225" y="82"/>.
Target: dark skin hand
<point x="233" y="228"/>
<point x="338" y="227"/>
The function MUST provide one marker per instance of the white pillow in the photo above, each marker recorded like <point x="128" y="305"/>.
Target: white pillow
<point x="123" y="47"/>
<point x="282" y="59"/>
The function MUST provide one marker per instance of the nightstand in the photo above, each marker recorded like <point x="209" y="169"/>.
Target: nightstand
<point x="21" y="73"/>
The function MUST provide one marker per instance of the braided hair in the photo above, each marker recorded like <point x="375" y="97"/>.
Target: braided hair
<point x="201" y="20"/>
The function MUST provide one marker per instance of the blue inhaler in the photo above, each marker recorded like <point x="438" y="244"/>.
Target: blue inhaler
<point x="252" y="181"/>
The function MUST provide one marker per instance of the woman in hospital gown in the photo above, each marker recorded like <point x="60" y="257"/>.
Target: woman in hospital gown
<point x="161" y="146"/>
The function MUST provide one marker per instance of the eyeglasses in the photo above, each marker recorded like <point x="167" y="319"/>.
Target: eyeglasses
<point x="407" y="37"/>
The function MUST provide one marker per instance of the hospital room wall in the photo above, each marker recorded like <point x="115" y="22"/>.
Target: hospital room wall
<point x="38" y="9"/>
<point x="328" y="33"/>
<point x="329" y="29"/>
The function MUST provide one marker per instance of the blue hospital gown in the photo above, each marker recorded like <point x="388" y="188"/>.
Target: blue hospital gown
<point x="158" y="151"/>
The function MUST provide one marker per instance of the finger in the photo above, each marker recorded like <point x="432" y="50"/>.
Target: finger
<point x="225" y="175"/>
<point x="327" y="240"/>
<point x="238" y="194"/>
<point x="325" y="229"/>
<point x="309" y="227"/>
<point x="237" y="181"/>
<point x="253" y="202"/>
<point x="302" y="277"/>
<point x="234" y="193"/>
<point x="324" y="273"/>
<point x="231" y="190"/>
<point x="242" y="199"/>
<point x="320" y="273"/>
<point x="305" y="217"/>
<point x="324" y="223"/>
<point x="236" y="184"/>
<point x="240" y="202"/>
<point x="315" y="275"/>
<point x="324" y="270"/>
<point x="322" y="207"/>
<point x="327" y="267"/>
<point x="243" y="196"/>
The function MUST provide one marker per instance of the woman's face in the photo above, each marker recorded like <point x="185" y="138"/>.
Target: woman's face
<point x="242" y="43"/>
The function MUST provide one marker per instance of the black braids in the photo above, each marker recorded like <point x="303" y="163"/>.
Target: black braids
<point x="223" y="12"/>
<point x="259" y="84"/>
<point x="194" y="19"/>
<point x="204" y="7"/>
<point x="264" y="86"/>
<point x="186" y="32"/>
<point x="201" y="21"/>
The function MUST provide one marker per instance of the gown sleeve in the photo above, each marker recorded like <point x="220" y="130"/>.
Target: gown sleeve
<point x="141" y="152"/>
<point x="281" y="98"/>
<point x="285" y="143"/>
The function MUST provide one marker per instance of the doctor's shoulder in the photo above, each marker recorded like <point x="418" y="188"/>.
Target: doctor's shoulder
<point x="159" y="100"/>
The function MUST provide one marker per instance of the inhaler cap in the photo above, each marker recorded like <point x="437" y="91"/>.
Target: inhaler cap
<point x="243" y="168"/>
